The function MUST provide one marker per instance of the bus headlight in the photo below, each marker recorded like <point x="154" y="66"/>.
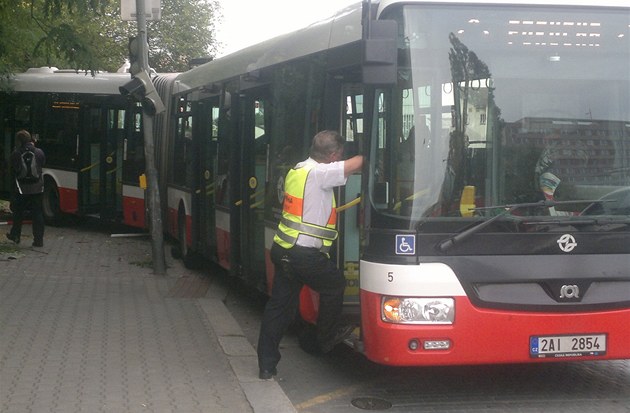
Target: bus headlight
<point x="409" y="310"/>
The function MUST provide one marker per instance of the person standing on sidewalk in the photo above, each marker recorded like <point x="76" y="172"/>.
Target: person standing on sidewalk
<point x="300" y="250"/>
<point x="28" y="189"/>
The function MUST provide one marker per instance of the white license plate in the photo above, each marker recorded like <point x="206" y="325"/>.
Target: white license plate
<point x="567" y="346"/>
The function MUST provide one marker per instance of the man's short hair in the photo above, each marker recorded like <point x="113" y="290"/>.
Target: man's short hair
<point x="325" y="143"/>
<point x="23" y="136"/>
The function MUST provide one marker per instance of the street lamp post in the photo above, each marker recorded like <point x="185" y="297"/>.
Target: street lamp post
<point x="153" y="190"/>
<point x="141" y="89"/>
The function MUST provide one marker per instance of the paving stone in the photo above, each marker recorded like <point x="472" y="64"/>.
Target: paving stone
<point x="87" y="329"/>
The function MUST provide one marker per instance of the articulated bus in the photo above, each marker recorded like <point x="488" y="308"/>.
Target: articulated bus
<point x="92" y="139"/>
<point x="492" y="222"/>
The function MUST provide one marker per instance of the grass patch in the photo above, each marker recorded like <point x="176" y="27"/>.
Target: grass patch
<point x="8" y="249"/>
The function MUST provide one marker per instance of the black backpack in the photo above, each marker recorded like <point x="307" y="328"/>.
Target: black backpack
<point x="28" y="172"/>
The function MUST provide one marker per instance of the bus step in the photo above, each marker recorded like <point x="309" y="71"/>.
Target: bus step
<point x="354" y="340"/>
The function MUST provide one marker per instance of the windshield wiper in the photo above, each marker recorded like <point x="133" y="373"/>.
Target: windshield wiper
<point x="580" y="220"/>
<point x="461" y="236"/>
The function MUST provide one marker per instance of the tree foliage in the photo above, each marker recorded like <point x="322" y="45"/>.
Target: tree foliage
<point x="90" y="35"/>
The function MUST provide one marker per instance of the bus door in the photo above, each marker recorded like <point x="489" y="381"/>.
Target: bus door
<point x="101" y="141"/>
<point x="112" y="171"/>
<point x="226" y="178"/>
<point x="348" y="199"/>
<point x="253" y="152"/>
<point x="205" y="144"/>
<point x="133" y="210"/>
<point x="346" y="248"/>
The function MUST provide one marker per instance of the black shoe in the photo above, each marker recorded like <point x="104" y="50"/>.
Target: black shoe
<point x="38" y="243"/>
<point x="265" y="374"/>
<point x="13" y="238"/>
<point x="342" y="333"/>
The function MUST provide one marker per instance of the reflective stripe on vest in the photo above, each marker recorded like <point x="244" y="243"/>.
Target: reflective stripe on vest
<point x="292" y="225"/>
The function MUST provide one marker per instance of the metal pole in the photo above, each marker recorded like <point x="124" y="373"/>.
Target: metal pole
<point x="153" y="190"/>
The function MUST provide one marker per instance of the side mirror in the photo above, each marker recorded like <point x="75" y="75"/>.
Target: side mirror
<point x="380" y="53"/>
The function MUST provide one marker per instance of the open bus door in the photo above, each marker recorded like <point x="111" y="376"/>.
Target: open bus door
<point x="346" y="251"/>
<point x="348" y="206"/>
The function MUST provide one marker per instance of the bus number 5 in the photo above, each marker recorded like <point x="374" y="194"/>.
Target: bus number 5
<point x="390" y="276"/>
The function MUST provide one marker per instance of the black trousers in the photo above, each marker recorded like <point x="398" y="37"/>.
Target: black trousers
<point x="28" y="202"/>
<point x="307" y="266"/>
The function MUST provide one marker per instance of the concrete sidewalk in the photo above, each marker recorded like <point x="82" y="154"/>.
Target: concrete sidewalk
<point x="85" y="326"/>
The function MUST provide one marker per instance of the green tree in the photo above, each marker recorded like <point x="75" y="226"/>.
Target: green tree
<point x="187" y="31"/>
<point x="90" y="35"/>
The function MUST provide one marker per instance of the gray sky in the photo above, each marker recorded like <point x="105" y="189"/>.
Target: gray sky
<point x="247" y="22"/>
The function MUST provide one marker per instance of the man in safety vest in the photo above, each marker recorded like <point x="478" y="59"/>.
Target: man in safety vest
<point x="300" y="250"/>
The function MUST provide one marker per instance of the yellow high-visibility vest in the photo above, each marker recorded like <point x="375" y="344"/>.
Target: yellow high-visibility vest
<point x="292" y="224"/>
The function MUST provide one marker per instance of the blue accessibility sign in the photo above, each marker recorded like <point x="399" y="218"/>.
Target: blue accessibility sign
<point x="405" y="244"/>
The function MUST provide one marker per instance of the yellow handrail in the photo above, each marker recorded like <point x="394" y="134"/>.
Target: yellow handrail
<point x="350" y="204"/>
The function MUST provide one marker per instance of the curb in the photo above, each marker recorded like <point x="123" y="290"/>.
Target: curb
<point x="263" y="395"/>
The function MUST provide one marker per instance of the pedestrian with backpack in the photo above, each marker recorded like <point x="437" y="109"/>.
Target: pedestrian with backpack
<point x="27" y="162"/>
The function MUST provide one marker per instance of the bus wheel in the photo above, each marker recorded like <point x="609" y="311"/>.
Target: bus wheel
<point x="180" y="250"/>
<point x="50" y="203"/>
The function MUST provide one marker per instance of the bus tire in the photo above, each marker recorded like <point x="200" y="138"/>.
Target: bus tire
<point x="191" y="259"/>
<point x="50" y="203"/>
<point x="175" y="252"/>
<point x="182" y="235"/>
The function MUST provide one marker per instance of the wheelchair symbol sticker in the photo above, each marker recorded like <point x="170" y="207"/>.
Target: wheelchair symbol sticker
<point x="405" y="244"/>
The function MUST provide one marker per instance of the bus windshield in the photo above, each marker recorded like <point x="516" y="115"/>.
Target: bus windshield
<point x="498" y="106"/>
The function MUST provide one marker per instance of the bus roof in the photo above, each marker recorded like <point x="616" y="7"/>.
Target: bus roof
<point x="383" y="4"/>
<point x="50" y="80"/>
<point x="342" y="28"/>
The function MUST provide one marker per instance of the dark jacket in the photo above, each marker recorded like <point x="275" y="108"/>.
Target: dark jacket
<point x="28" y="188"/>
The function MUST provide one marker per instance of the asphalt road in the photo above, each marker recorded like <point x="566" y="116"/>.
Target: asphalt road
<point x="345" y="381"/>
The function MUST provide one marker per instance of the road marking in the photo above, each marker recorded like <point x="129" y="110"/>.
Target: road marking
<point x="326" y="397"/>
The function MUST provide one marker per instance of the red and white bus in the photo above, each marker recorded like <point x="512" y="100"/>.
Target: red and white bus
<point x="494" y="216"/>
<point x="492" y="221"/>
<point x="92" y="139"/>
